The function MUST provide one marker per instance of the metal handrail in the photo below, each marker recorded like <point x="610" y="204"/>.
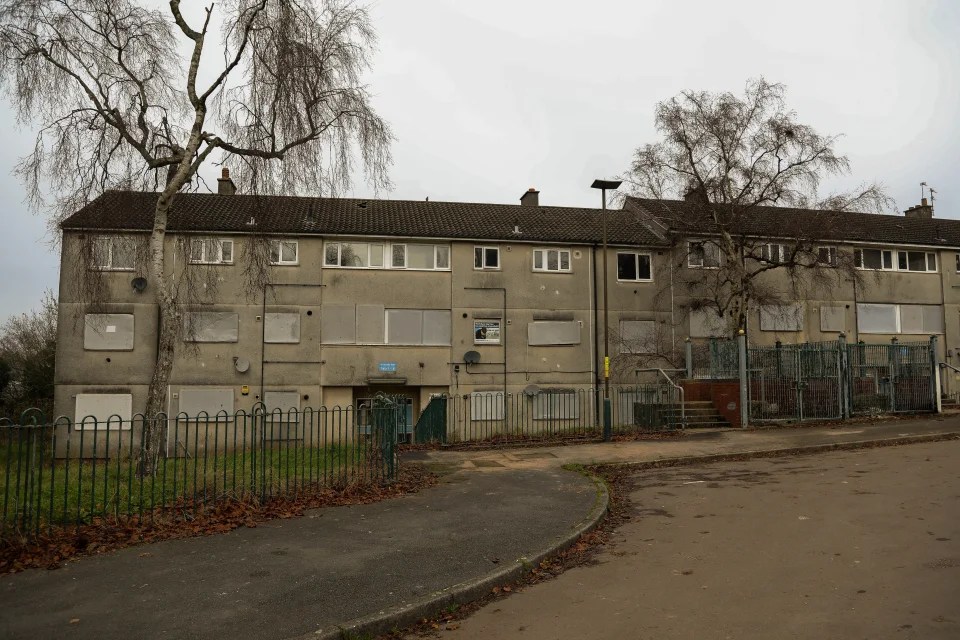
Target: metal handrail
<point x="683" y="409"/>
<point x="949" y="366"/>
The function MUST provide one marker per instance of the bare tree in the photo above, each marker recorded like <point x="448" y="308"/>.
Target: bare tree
<point x="729" y="157"/>
<point x="28" y="347"/>
<point x="117" y="92"/>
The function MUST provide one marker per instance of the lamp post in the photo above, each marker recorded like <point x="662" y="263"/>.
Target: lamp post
<point x="603" y="185"/>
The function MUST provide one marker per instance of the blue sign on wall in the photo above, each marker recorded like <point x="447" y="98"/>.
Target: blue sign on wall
<point x="388" y="367"/>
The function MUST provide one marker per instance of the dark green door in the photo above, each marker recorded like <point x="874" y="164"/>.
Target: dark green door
<point x="432" y="425"/>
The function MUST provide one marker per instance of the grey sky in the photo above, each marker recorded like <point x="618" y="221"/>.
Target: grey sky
<point x="488" y="99"/>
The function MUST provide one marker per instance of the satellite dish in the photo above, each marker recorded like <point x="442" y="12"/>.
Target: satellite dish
<point x="531" y="390"/>
<point x="242" y="365"/>
<point x="139" y="284"/>
<point x="471" y="357"/>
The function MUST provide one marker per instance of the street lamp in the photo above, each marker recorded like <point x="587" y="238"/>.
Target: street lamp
<point x="603" y="185"/>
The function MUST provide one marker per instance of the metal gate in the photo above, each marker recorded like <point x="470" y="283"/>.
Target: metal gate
<point x="796" y="382"/>
<point x="432" y="424"/>
<point x="895" y="377"/>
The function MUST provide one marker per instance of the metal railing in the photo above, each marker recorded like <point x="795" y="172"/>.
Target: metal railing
<point x="546" y="414"/>
<point x="66" y="473"/>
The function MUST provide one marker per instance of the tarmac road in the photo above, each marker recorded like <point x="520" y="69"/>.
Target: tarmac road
<point x="859" y="544"/>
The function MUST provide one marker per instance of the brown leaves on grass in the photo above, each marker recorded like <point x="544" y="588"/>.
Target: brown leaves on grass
<point x="180" y="521"/>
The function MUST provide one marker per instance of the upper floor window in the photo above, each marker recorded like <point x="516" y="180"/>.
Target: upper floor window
<point x="379" y="255"/>
<point x="211" y="251"/>
<point x="114" y="253"/>
<point x="827" y="256"/>
<point x="634" y="267"/>
<point x="873" y="259"/>
<point x="283" y="251"/>
<point x="356" y="255"/>
<point x="883" y="259"/>
<point x="486" y="257"/>
<point x="916" y="261"/>
<point x="551" y="260"/>
<point x="420" y="256"/>
<point x="775" y="253"/>
<point x="703" y="255"/>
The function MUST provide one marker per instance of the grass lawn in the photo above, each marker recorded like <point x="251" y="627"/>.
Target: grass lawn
<point x="68" y="491"/>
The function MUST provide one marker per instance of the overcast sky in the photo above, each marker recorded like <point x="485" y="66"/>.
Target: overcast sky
<point x="489" y="98"/>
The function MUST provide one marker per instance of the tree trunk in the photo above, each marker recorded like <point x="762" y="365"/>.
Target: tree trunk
<point x="155" y="428"/>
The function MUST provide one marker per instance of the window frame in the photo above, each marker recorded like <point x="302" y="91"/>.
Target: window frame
<point x="545" y="260"/>
<point x="389" y="262"/>
<point x="767" y="248"/>
<point x="703" y="260"/>
<point x="112" y="240"/>
<point x="205" y="241"/>
<point x="636" y="265"/>
<point x="831" y="256"/>
<point x="905" y="253"/>
<point x="280" y="261"/>
<point x="484" y="266"/>
<point x="895" y="255"/>
<point x="339" y="245"/>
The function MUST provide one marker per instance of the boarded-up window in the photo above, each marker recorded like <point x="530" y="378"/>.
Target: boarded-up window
<point x="638" y="336"/>
<point x="706" y="323"/>
<point x="338" y="324"/>
<point x="486" y="405"/>
<point x="556" y="405"/>
<point x="783" y="317"/>
<point x="833" y="318"/>
<point x="281" y="400"/>
<point x="108" y="332"/>
<point x="877" y="318"/>
<point x="211" y="326"/>
<point x="404" y="326"/>
<point x="370" y="323"/>
<point x="103" y="411"/>
<point x="282" y="328"/>
<point x="553" y="332"/>
<point x="196" y="400"/>
<point x="436" y="327"/>
<point x="283" y="415"/>
<point x="921" y="318"/>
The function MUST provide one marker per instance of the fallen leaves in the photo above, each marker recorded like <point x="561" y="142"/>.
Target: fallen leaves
<point x="182" y="521"/>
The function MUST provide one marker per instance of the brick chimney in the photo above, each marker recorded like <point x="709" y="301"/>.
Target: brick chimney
<point x="922" y="210"/>
<point x="531" y="198"/>
<point x="225" y="186"/>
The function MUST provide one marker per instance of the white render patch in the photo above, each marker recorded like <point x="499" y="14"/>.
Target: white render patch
<point x="197" y="401"/>
<point x="553" y="332"/>
<point x="108" y="332"/>
<point x="103" y="411"/>
<point x="281" y="328"/>
<point x="211" y="326"/>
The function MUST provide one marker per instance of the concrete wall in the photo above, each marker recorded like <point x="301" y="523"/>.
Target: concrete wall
<point x="321" y="371"/>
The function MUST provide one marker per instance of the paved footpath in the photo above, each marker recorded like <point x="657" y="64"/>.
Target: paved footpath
<point x="369" y="567"/>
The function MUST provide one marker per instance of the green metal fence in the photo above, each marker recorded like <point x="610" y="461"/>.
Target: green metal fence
<point x="66" y="473"/>
<point x="546" y="414"/>
<point x="895" y="377"/>
<point x="833" y="380"/>
<point x="796" y="381"/>
<point x="715" y="359"/>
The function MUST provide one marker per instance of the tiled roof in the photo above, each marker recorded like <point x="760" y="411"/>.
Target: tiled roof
<point x="195" y="212"/>
<point x="783" y="222"/>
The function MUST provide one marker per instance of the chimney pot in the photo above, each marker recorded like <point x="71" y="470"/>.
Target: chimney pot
<point x="225" y="185"/>
<point x="924" y="210"/>
<point x="531" y="198"/>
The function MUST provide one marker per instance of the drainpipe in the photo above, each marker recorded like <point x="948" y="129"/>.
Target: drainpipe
<point x="596" y="337"/>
